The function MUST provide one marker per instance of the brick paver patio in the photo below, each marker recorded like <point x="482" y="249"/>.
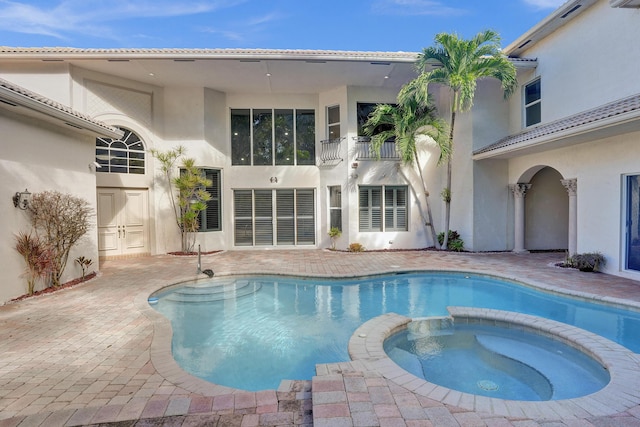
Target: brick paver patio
<point x="97" y="353"/>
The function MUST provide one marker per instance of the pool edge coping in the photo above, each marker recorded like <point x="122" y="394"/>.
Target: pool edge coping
<point x="619" y="395"/>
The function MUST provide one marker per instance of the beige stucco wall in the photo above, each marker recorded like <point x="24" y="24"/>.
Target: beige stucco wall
<point x="599" y="167"/>
<point x="41" y="157"/>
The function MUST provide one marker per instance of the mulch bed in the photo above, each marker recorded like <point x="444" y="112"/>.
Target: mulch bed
<point x="192" y="253"/>
<point x="52" y="289"/>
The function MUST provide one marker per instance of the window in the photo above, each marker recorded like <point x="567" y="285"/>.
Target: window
<point x="124" y="155"/>
<point x="376" y="211"/>
<point x="532" y="103"/>
<point x="292" y="209"/>
<point x="633" y="223"/>
<point x="335" y="207"/>
<point x="333" y="122"/>
<point x="273" y="137"/>
<point x="210" y="218"/>
<point x="363" y="111"/>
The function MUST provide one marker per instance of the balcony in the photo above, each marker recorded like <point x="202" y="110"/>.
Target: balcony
<point x="330" y="150"/>
<point x="365" y="152"/>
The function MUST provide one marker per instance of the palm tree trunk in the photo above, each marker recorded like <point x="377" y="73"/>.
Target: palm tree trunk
<point x="429" y="222"/>
<point x="447" y="201"/>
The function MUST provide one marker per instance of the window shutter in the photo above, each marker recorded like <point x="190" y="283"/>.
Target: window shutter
<point x="264" y="217"/>
<point x="305" y="217"/>
<point x="243" y="214"/>
<point x="285" y="217"/>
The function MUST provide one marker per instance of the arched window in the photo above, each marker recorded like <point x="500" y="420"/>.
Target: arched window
<point x="124" y="155"/>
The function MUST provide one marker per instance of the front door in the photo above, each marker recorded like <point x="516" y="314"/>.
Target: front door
<point x="123" y="221"/>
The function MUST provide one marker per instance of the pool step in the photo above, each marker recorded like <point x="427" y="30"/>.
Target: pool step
<point x="214" y="291"/>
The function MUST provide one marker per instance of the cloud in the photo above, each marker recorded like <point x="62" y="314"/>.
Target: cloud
<point x="246" y="30"/>
<point x="413" y="7"/>
<point x="72" y="17"/>
<point x="545" y="4"/>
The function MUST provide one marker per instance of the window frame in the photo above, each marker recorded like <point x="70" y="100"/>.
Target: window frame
<point x="335" y="207"/>
<point x="214" y="203"/>
<point x="269" y="153"/>
<point x="369" y="211"/>
<point x="107" y="156"/>
<point x="537" y="103"/>
<point x="335" y="125"/>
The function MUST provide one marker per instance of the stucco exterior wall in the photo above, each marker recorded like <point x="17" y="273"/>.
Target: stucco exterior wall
<point x="599" y="168"/>
<point x="41" y="157"/>
<point x="589" y="62"/>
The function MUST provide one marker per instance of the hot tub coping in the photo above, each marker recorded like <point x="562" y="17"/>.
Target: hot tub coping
<point x="619" y="395"/>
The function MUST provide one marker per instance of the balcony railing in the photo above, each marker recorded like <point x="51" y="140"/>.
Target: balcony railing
<point x="364" y="150"/>
<point x="330" y="150"/>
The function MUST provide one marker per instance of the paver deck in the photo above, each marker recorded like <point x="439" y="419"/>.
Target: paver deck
<point x="97" y="353"/>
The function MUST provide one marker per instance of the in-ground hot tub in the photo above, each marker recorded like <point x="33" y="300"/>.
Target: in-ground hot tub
<point x="485" y="359"/>
<point x="366" y="349"/>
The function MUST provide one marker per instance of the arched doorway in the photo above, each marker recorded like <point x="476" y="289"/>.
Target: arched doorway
<point x="546" y="212"/>
<point x="122" y="200"/>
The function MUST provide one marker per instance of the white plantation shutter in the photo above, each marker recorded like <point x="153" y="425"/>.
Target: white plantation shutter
<point x="395" y="208"/>
<point x="285" y="217"/>
<point x="263" y="217"/>
<point x="305" y="218"/>
<point x="370" y="201"/>
<point x="294" y="217"/>
<point x="243" y="217"/>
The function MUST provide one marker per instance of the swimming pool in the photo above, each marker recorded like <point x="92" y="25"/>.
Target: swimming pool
<point x="252" y="332"/>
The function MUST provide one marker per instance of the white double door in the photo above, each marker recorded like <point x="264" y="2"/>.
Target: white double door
<point x="123" y="221"/>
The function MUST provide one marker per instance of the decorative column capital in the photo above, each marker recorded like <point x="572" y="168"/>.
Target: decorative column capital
<point x="571" y="185"/>
<point x="520" y="189"/>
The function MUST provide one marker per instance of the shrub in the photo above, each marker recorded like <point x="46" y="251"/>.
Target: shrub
<point x="60" y="220"/>
<point x="455" y="243"/>
<point x="84" y="263"/>
<point x="356" y="247"/>
<point x="37" y="256"/>
<point x="590" y="261"/>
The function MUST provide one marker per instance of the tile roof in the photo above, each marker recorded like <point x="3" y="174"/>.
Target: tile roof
<point x="225" y="53"/>
<point x="51" y="105"/>
<point x="221" y="53"/>
<point x="593" y="116"/>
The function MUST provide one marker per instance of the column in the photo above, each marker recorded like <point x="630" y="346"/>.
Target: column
<point x="519" y="190"/>
<point x="572" y="188"/>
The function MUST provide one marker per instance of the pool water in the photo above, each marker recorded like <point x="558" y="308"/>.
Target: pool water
<point x="252" y="332"/>
<point x="497" y="362"/>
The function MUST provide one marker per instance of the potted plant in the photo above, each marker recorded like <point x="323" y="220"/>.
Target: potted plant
<point x="334" y="233"/>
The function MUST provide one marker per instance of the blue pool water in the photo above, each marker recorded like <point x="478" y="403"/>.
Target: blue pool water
<point x="252" y="332"/>
<point x="497" y="362"/>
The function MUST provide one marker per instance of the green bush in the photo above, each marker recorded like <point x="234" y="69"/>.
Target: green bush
<point x="590" y="261"/>
<point x="455" y="243"/>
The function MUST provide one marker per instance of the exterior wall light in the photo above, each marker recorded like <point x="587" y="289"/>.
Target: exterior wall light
<point x="273" y="179"/>
<point x="21" y="199"/>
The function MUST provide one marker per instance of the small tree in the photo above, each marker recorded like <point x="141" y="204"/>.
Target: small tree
<point x="60" y="220"/>
<point x="37" y="256"/>
<point x="191" y="196"/>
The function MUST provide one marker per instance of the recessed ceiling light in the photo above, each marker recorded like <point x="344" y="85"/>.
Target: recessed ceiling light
<point x="268" y="74"/>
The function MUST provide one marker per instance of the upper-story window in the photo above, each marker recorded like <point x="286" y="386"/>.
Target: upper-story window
<point x="124" y="155"/>
<point x="273" y="137"/>
<point x="333" y="122"/>
<point x="532" y="103"/>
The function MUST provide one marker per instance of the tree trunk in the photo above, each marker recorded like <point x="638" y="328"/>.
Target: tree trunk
<point x="447" y="202"/>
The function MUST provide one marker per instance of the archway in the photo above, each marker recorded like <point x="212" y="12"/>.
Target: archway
<point x="546" y="212"/>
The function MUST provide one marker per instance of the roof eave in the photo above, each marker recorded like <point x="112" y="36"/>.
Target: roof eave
<point x="16" y="99"/>
<point x="548" y="25"/>
<point x="567" y="136"/>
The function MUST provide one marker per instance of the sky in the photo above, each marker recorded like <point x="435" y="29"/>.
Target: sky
<point x="373" y="25"/>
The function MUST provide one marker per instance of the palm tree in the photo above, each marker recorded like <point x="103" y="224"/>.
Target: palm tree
<point x="460" y="64"/>
<point x="404" y="122"/>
